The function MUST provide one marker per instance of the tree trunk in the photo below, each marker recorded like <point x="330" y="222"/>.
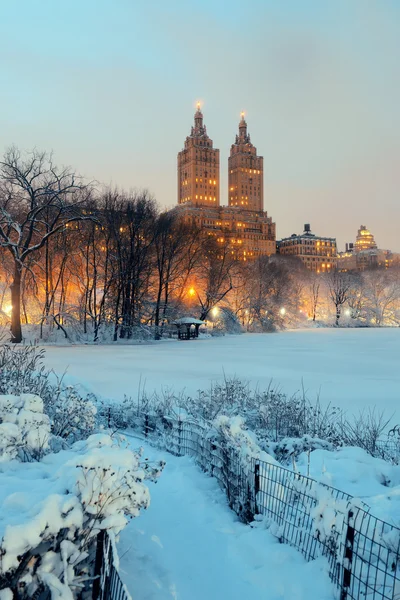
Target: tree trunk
<point x="16" y="331"/>
<point x="157" y="311"/>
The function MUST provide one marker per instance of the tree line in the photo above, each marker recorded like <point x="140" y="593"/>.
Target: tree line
<point x="108" y="264"/>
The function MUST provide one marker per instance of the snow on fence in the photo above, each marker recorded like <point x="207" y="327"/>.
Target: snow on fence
<point x="362" y="551"/>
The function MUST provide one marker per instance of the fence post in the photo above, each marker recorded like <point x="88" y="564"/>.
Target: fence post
<point x="146" y="425"/>
<point x="98" y="562"/>
<point x="348" y="556"/>
<point x="179" y="437"/>
<point x="256" y="485"/>
<point x="109" y="417"/>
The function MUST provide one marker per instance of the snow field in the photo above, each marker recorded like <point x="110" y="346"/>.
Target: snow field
<point x="190" y="546"/>
<point x="351" y="368"/>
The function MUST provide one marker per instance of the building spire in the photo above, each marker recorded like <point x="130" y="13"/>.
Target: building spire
<point x="243" y="137"/>
<point x="198" y="119"/>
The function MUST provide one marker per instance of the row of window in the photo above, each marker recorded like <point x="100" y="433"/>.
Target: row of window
<point x="313" y="243"/>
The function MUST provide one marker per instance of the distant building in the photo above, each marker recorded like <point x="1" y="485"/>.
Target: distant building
<point x="365" y="254"/>
<point x="243" y="223"/>
<point x="364" y="240"/>
<point x="245" y="173"/>
<point x="198" y="167"/>
<point x="316" y="253"/>
<point x="366" y="259"/>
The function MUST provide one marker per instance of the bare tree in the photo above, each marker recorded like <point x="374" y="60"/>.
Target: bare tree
<point x="215" y="274"/>
<point x="273" y="290"/>
<point x="339" y="284"/>
<point x="314" y="294"/>
<point x="174" y="241"/>
<point x="356" y="298"/>
<point x="37" y="201"/>
<point x="382" y="291"/>
<point x="131" y="220"/>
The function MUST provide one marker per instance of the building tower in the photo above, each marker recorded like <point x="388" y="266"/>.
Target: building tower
<point x="198" y="167"/>
<point x="365" y="240"/>
<point x="245" y="173"/>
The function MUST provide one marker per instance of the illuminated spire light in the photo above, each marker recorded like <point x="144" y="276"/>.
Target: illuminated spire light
<point x="198" y="105"/>
<point x="242" y="115"/>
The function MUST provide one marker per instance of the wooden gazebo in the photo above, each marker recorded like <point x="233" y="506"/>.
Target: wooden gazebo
<point x="188" y="328"/>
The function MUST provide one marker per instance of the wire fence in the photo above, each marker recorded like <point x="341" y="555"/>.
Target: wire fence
<point x="388" y="448"/>
<point x="107" y="584"/>
<point x="362" y="551"/>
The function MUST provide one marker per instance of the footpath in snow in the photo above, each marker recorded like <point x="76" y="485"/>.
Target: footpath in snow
<point x="190" y="546"/>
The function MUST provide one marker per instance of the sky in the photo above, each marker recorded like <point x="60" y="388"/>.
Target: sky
<point x="110" y="87"/>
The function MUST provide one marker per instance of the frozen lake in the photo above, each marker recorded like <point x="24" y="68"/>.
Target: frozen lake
<point x="351" y="368"/>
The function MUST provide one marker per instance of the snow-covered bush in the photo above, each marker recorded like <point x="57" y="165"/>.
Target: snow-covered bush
<point x="72" y="415"/>
<point x="22" y="371"/>
<point x="75" y="494"/>
<point x="288" y="449"/>
<point x="231" y="433"/>
<point x="24" y="429"/>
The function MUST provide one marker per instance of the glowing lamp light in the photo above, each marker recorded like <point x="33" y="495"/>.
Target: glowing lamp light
<point x="192" y="292"/>
<point x="282" y="311"/>
<point x="215" y="311"/>
<point x="347" y="312"/>
<point x="8" y="309"/>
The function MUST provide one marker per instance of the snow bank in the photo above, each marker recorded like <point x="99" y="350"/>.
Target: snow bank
<point x="56" y="507"/>
<point x="374" y="480"/>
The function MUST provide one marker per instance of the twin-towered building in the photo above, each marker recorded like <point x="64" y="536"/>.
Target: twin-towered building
<point x="244" y="224"/>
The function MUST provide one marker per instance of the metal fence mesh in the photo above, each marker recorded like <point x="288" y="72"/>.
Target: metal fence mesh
<point x="362" y="551"/>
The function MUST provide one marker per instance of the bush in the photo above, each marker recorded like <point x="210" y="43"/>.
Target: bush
<point x="24" y="429"/>
<point x="22" y="371"/>
<point x="95" y="486"/>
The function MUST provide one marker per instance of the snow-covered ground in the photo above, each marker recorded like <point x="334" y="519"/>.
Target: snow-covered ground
<point x="373" y="480"/>
<point x="351" y="368"/>
<point x="190" y="546"/>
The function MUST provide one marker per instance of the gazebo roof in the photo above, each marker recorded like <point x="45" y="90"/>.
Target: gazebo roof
<point x="188" y="321"/>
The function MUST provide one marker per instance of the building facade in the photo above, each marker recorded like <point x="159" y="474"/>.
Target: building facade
<point x="198" y="167"/>
<point x="243" y="224"/>
<point x="317" y="253"/>
<point x="245" y="173"/>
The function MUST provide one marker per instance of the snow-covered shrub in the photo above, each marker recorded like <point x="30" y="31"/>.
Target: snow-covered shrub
<point x="288" y="449"/>
<point x="231" y="433"/>
<point x="73" y="416"/>
<point x="24" y="429"/>
<point x="95" y="486"/>
<point x="22" y="371"/>
<point x="328" y="517"/>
